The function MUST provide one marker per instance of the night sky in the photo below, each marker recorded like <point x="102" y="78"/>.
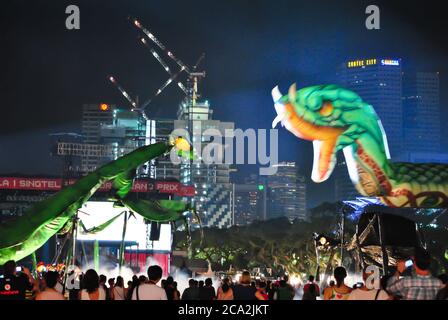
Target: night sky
<point x="48" y="72"/>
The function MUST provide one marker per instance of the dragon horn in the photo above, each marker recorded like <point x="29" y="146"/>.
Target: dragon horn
<point x="276" y="94"/>
<point x="278" y="105"/>
<point x="292" y="93"/>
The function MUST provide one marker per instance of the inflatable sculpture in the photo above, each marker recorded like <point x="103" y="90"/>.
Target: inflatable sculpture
<point x="334" y="119"/>
<point x="21" y="236"/>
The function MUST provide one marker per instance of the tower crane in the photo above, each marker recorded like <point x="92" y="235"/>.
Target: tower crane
<point x="190" y="90"/>
<point x="164" y="65"/>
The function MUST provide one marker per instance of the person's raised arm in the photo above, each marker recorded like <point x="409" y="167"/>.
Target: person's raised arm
<point x="31" y="281"/>
<point x="395" y="284"/>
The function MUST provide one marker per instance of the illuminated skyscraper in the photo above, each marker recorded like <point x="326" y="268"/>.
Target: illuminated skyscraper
<point x="159" y="130"/>
<point x="250" y="200"/>
<point x="214" y="192"/>
<point x="286" y="193"/>
<point x="379" y="82"/>
<point x="421" y="113"/>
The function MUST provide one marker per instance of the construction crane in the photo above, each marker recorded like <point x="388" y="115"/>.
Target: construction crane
<point x="124" y="93"/>
<point x="151" y="36"/>
<point x="164" y="65"/>
<point x="190" y="90"/>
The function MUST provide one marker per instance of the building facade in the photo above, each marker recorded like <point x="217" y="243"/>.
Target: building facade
<point x="214" y="192"/>
<point x="286" y="193"/>
<point x="159" y="130"/>
<point x="117" y="132"/>
<point x="250" y="203"/>
<point x="111" y="130"/>
<point x="379" y="82"/>
<point x="343" y="186"/>
<point x="421" y="106"/>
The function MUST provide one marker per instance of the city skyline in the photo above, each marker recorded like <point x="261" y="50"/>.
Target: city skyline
<point x="278" y="55"/>
<point x="225" y="150"/>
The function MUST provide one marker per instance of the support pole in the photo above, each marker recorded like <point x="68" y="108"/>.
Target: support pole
<point x="67" y="259"/>
<point x="342" y="235"/>
<point x="83" y="251"/>
<point x="360" y="262"/>
<point x="123" y="235"/>
<point x="96" y="254"/>
<point x="71" y="251"/>
<point x="329" y="267"/>
<point x="317" y="277"/>
<point x="34" y="260"/>
<point x="383" y="247"/>
<point x="74" y="236"/>
<point x="60" y="249"/>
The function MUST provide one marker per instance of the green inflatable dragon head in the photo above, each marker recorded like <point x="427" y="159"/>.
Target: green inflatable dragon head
<point x="333" y="118"/>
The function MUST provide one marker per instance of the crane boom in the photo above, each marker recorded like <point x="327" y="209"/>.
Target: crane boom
<point x="151" y="36"/>
<point x="159" y="91"/>
<point x="193" y="75"/>
<point x="199" y="61"/>
<point x="123" y="92"/>
<point x="164" y="65"/>
<point x="156" y="55"/>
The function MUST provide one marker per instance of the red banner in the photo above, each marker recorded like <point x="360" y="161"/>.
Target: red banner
<point x="173" y="188"/>
<point x="30" y="184"/>
<point x="144" y="260"/>
<point x="49" y="184"/>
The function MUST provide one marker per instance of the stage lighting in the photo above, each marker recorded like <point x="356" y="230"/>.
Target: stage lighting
<point x="323" y="241"/>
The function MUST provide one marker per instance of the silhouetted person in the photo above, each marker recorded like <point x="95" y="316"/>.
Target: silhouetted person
<point x="150" y="290"/>
<point x="207" y="292"/>
<point x="14" y="284"/>
<point x="192" y="292"/>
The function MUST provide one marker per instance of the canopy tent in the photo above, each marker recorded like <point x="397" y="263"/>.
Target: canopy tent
<point x="377" y="241"/>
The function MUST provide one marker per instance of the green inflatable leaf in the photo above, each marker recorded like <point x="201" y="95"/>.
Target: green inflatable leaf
<point x="23" y="235"/>
<point x="159" y="211"/>
<point x="102" y="226"/>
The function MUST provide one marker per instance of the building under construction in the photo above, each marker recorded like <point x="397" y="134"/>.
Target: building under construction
<point x="109" y="132"/>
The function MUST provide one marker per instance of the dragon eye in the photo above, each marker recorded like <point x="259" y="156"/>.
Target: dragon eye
<point x="327" y="109"/>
